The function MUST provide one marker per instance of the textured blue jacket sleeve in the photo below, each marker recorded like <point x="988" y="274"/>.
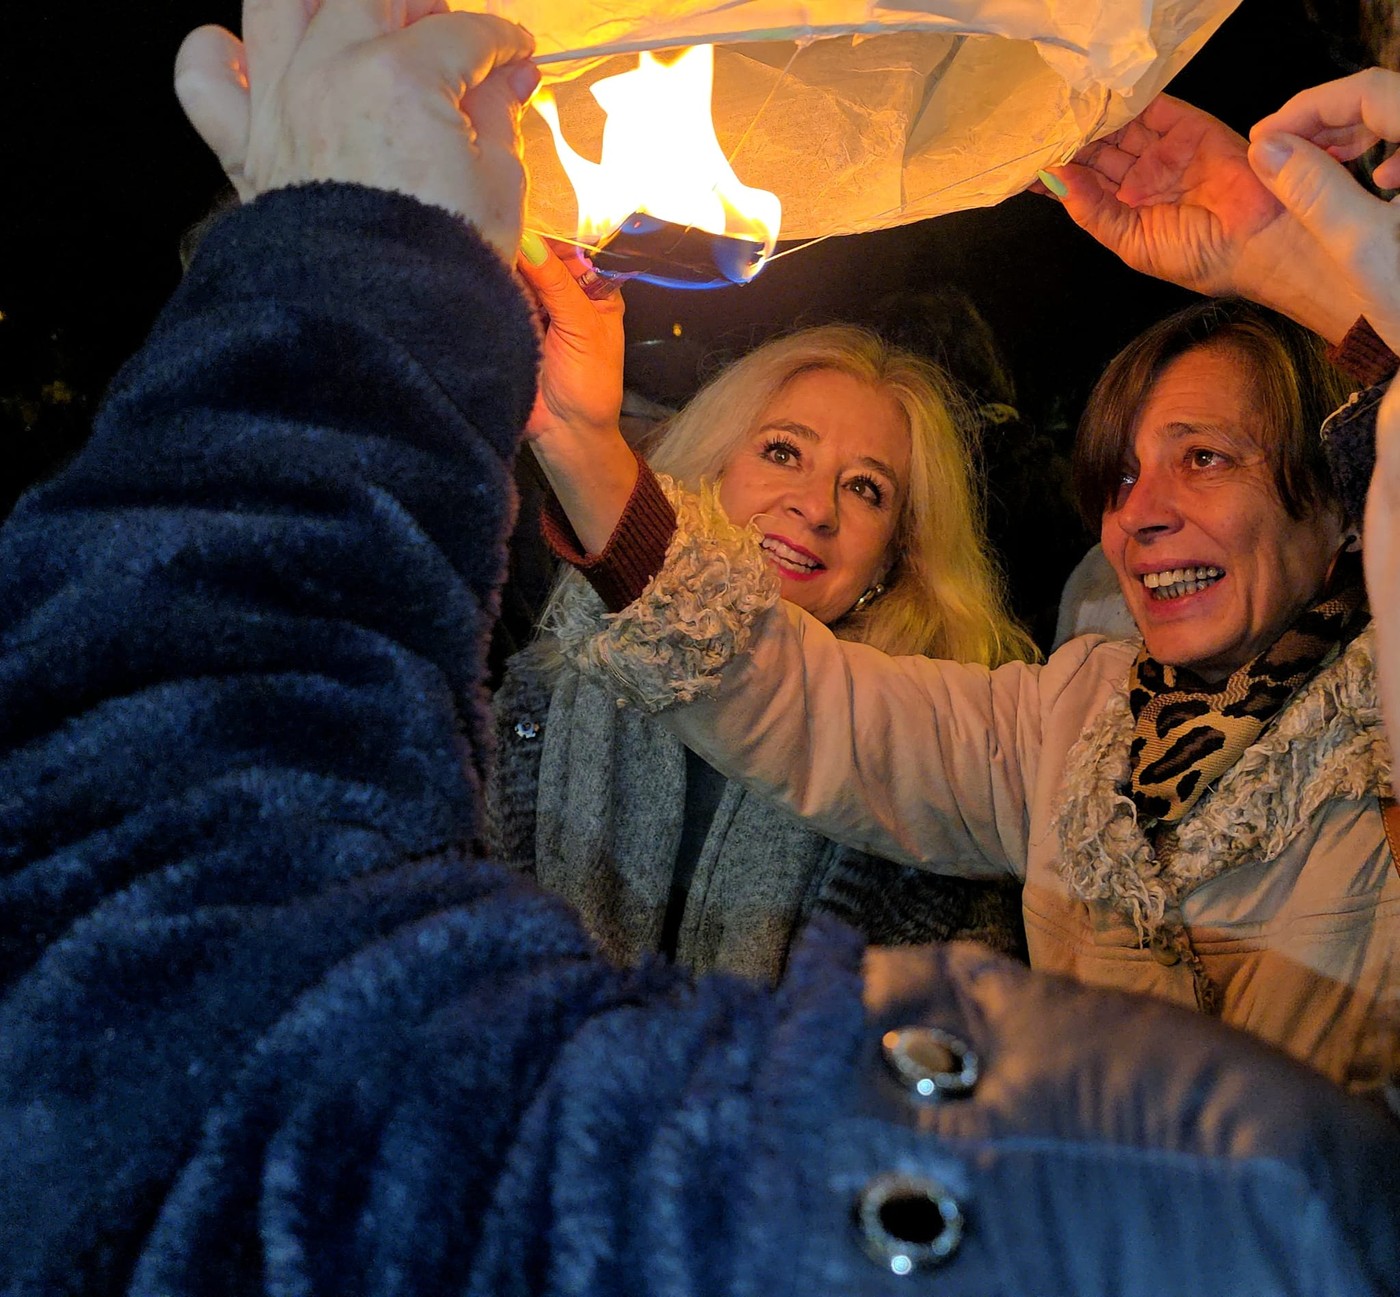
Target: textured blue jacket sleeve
<point x="267" y="1023"/>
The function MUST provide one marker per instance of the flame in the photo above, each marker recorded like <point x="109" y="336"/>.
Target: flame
<point x="660" y="155"/>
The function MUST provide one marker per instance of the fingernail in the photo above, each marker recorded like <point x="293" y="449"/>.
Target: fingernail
<point x="532" y="248"/>
<point x="523" y="81"/>
<point x="1053" y="183"/>
<point x="1269" y="153"/>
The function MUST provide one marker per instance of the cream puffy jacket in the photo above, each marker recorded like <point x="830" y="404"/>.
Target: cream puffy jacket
<point x="1279" y="888"/>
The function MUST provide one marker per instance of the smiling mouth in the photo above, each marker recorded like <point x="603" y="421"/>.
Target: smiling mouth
<point x="1173" y="582"/>
<point x="795" y="560"/>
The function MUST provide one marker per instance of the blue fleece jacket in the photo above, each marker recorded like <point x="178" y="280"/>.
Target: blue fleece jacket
<point x="267" y="1023"/>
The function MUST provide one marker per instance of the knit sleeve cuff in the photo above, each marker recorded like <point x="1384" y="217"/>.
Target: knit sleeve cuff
<point x="1363" y="356"/>
<point x="1349" y="446"/>
<point x="692" y="618"/>
<point x="635" y="551"/>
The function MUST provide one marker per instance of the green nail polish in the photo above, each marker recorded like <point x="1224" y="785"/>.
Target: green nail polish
<point x="532" y="248"/>
<point x="1053" y="183"/>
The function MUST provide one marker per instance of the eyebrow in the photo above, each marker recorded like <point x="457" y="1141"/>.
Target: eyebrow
<point x="1231" y="432"/>
<point x="811" y="434"/>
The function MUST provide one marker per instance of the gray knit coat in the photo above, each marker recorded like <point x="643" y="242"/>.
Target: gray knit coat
<point x="591" y="798"/>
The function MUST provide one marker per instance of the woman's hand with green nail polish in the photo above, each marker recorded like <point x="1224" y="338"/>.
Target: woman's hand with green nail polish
<point x="573" y="428"/>
<point x="533" y="248"/>
<point x="1172" y="194"/>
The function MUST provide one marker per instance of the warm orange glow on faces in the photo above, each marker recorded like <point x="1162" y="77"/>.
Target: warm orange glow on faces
<point x="660" y="155"/>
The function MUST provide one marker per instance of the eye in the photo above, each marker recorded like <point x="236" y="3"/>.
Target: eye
<point x="1127" y="479"/>
<point x="779" y="450"/>
<point x="1203" y="457"/>
<point x="867" y="488"/>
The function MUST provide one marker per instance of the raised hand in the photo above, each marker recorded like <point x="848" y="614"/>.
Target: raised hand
<point x="1297" y="154"/>
<point x="1173" y="195"/>
<point x="573" y="428"/>
<point x="581" y="374"/>
<point x="403" y="96"/>
<point x="1381" y="553"/>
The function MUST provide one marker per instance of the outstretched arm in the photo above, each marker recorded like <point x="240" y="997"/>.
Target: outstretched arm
<point x="574" y="428"/>
<point x="1298" y="152"/>
<point x="301" y="135"/>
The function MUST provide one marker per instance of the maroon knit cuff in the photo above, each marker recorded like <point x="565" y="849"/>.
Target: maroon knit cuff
<point x="635" y="551"/>
<point x="1363" y="356"/>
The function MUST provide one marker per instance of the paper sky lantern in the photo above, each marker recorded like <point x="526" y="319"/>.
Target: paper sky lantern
<point x="855" y="116"/>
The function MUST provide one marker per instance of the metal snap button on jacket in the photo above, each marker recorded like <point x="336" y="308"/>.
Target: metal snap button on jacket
<point x="526" y="729"/>
<point x="932" y="1063"/>
<point x="908" y="1222"/>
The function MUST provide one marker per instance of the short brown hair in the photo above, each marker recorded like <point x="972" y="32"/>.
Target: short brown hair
<point x="1295" y="389"/>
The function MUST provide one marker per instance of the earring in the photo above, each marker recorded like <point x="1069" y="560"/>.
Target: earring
<point x="868" y="598"/>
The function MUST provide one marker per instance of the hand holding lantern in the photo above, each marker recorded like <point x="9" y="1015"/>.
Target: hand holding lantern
<point x="425" y="102"/>
<point x="1173" y="195"/>
<point x="1298" y="153"/>
<point x="573" y="428"/>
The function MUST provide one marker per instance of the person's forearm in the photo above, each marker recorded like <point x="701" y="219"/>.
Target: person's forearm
<point x="1363" y="355"/>
<point x="1382" y="560"/>
<point x="632" y="555"/>
<point x="238" y="681"/>
<point x="593" y="478"/>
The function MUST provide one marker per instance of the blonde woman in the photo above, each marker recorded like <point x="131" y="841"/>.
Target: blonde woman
<point x="847" y="457"/>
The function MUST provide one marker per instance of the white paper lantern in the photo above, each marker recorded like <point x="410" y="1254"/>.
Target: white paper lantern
<point x="860" y="116"/>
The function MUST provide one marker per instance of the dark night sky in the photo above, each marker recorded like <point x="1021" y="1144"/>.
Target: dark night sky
<point x="101" y="175"/>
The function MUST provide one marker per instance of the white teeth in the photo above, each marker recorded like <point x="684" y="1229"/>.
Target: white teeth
<point x="1172" y="583"/>
<point x="787" y="555"/>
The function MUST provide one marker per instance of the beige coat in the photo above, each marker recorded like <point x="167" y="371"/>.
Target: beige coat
<point x="1281" y="876"/>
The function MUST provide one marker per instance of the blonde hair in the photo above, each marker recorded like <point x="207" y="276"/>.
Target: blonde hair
<point x="944" y="596"/>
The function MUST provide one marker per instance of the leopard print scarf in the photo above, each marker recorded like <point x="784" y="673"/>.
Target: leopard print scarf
<point x="1189" y="732"/>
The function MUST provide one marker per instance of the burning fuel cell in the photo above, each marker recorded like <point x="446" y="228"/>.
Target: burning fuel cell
<point x="663" y="204"/>
<point x="676" y="256"/>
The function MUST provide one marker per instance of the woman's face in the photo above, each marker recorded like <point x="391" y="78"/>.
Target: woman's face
<point x="1212" y="566"/>
<point x="824" y="475"/>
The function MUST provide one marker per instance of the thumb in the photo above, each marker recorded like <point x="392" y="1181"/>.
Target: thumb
<point x="572" y="313"/>
<point x="548" y="277"/>
<point x="1317" y="190"/>
<point x="1093" y="204"/>
<point x="211" y="83"/>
